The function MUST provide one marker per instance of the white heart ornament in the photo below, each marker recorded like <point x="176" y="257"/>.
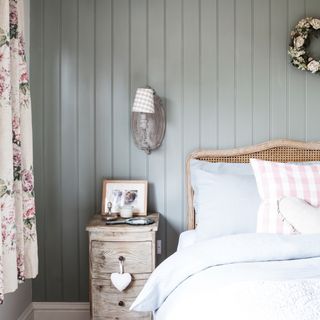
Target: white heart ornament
<point x="121" y="280"/>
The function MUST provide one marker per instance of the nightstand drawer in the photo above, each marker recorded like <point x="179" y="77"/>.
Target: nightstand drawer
<point x="109" y="303"/>
<point x="105" y="257"/>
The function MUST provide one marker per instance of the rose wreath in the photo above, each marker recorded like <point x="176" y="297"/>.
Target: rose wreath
<point x="300" y="40"/>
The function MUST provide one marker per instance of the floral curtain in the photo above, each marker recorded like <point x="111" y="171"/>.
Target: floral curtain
<point x="18" y="243"/>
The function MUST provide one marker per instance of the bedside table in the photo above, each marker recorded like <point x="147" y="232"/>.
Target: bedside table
<point x="108" y="244"/>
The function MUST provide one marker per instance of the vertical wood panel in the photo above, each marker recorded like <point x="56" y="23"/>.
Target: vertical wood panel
<point x="209" y="74"/>
<point x="103" y="87"/>
<point x="243" y="75"/>
<point x="138" y="76"/>
<point x="313" y="92"/>
<point x="296" y="82"/>
<point x="278" y="68"/>
<point x="156" y="165"/>
<point x="121" y="89"/>
<point x="52" y="150"/>
<point x="175" y="108"/>
<point x="261" y="71"/>
<point x="191" y="81"/>
<point x="69" y="149"/>
<point x="37" y="77"/>
<point x="226" y="71"/>
<point x="86" y="154"/>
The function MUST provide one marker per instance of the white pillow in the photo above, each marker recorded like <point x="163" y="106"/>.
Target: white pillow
<point x="302" y="216"/>
<point x="186" y="239"/>
<point x="226" y="198"/>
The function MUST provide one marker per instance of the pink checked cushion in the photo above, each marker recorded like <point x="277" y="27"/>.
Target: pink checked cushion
<point x="277" y="180"/>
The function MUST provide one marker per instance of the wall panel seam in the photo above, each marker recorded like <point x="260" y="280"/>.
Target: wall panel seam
<point x="60" y="144"/>
<point x="252" y="70"/>
<point x="235" y="86"/>
<point x="165" y="139"/>
<point x="217" y="70"/>
<point x="77" y="148"/>
<point x="129" y="85"/>
<point x="270" y="64"/>
<point x="44" y="173"/>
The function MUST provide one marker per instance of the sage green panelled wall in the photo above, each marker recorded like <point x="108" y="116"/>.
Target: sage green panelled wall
<point x="222" y="70"/>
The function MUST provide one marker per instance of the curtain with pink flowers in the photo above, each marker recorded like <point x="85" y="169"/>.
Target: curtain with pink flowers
<point x="18" y="241"/>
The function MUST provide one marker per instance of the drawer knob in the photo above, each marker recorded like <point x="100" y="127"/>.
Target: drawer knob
<point x="121" y="258"/>
<point x="121" y="303"/>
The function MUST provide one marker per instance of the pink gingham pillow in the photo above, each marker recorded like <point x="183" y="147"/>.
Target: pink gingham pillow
<point x="277" y="180"/>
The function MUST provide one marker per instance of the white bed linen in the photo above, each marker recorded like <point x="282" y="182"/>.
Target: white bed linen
<point x="220" y="276"/>
<point x="186" y="239"/>
<point x="219" y="292"/>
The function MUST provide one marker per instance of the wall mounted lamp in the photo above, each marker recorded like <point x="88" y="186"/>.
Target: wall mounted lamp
<point x="148" y="120"/>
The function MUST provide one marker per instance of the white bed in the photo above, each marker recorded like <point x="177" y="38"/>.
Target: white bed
<point x="248" y="291"/>
<point x="235" y="277"/>
<point x="244" y="276"/>
<point x="186" y="239"/>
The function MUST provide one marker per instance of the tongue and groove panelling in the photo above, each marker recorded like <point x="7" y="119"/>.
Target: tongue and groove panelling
<point x="222" y="69"/>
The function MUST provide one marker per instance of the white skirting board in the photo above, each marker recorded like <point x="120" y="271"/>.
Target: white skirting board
<point x="27" y="314"/>
<point x="57" y="311"/>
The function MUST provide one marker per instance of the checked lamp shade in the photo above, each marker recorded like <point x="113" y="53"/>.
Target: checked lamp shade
<point x="144" y="101"/>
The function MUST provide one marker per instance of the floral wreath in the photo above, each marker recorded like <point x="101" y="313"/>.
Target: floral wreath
<point x="300" y="40"/>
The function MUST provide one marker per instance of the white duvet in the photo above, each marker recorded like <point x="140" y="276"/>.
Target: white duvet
<point x="239" y="277"/>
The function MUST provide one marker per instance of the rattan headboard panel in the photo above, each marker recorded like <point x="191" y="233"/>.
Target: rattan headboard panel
<point x="277" y="150"/>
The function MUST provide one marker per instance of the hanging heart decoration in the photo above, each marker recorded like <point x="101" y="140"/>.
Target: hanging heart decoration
<point x="121" y="280"/>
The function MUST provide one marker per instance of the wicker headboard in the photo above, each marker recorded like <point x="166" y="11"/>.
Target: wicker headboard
<point x="277" y="150"/>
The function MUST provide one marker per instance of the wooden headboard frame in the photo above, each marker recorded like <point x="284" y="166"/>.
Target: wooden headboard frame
<point x="276" y="150"/>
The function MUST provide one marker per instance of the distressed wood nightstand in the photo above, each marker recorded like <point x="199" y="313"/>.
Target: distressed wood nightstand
<point x="136" y="246"/>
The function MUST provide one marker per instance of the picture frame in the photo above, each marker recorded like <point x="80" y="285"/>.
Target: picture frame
<point x="125" y="193"/>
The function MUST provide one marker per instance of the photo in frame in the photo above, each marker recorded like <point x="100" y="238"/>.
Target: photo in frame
<point x="125" y="193"/>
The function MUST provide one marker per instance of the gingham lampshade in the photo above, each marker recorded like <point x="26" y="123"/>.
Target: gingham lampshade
<point x="143" y="101"/>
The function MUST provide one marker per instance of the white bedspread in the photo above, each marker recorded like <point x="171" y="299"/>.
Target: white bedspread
<point x="252" y="276"/>
<point x="186" y="239"/>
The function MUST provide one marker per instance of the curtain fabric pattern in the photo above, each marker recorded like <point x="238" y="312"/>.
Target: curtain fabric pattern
<point x="18" y="242"/>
